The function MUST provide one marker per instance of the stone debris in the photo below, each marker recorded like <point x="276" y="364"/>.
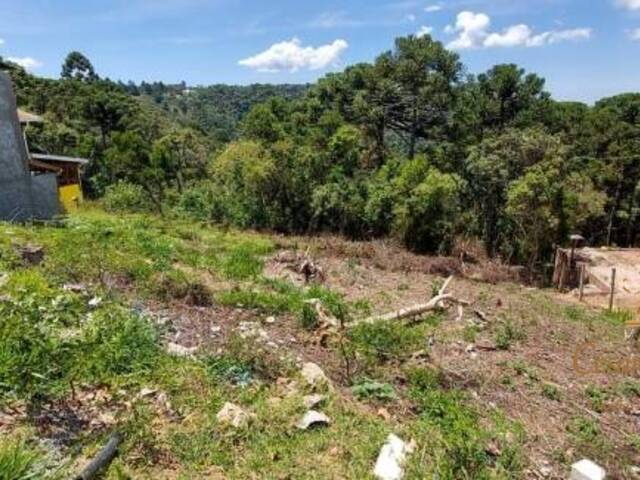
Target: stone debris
<point x="390" y="463"/>
<point x="587" y="470"/>
<point x="180" y="351"/>
<point x="253" y="330"/>
<point x="233" y="415"/>
<point x="270" y="320"/>
<point x="314" y="377"/>
<point x="312" y="401"/>
<point x="313" y="418"/>
<point x="147" y="392"/>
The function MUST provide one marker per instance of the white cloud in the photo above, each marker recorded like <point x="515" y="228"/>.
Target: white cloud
<point x="433" y="8"/>
<point x="629" y="4"/>
<point x="471" y="28"/>
<point x="28" y="63"/>
<point x="473" y="32"/>
<point x="292" y="56"/>
<point x="411" y="18"/>
<point x="511" y="37"/>
<point x="635" y="34"/>
<point x="424" y="30"/>
<point x="1" y="41"/>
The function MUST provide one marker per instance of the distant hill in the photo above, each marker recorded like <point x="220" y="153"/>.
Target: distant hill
<point x="215" y="109"/>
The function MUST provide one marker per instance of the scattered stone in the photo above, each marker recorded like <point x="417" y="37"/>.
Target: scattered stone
<point x="180" y="351"/>
<point x="253" y="330"/>
<point x="147" y="392"/>
<point x="470" y="348"/>
<point x="314" y="377"/>
<point x="270" y="320"/>
<point x="546" y="470"/>
<point x="233" y="415"/>
<point x="74" y="287"/>
<point x="313" y="419"/>
<point x="216" y="329"/>
<point x="587" y="470"/>
<point x="384" y="414"/>
<point x="312" y="401"/>
<point x="390" y="463"/>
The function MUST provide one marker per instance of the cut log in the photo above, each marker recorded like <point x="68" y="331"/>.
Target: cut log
<point x="104" y="457"/>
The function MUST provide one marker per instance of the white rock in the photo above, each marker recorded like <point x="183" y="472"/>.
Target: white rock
<point x="312" y="419"/>
<point x="216" y="329"/>
<point x="95" y="301"/>
<point x="312" y="401"/>
<point x="390" y="463"/>
<point x="587" y="470"/>
<point x="233" y="415"/>
<point x="270" y="320"/>
<point x="314" y="377"/>
<point x="180" y="351"/>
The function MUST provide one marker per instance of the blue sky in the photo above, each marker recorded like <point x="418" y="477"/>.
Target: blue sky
<point x="586" y="49"/>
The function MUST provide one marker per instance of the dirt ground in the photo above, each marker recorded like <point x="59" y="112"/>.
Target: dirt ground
<point x="539" y="381"/>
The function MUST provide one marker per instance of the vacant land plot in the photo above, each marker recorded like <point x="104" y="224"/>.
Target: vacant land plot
<point x="147" y="327"/>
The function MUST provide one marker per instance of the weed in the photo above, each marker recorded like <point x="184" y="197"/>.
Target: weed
<point x="629" y="388"/>
<point x="19" y="462"/>
<point x="551" y="392"/>
<point x="597" y="396"/>
<point x="506" y="335"/>
<point x="368" y="389"/>
<point x="470" y="333"/>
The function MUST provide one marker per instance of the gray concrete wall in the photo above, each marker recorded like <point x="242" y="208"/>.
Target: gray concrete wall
<point x="22" y="196"/>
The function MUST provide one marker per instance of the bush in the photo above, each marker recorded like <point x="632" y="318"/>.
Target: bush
<point x="383" y="341"/>
<point x="126" y="197"/>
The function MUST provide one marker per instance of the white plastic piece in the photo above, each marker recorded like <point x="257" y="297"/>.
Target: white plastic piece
<point x="587" y="470"/>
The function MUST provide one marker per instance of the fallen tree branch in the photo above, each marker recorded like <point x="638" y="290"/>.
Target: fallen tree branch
<point x="103" y="458"/>
<point x="436" y="303"/>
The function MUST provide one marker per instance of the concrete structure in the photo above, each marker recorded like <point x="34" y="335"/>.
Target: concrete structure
<point x="23" y="195"/>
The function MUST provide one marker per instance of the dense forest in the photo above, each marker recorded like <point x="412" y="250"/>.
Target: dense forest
<point x="410" y="146"/>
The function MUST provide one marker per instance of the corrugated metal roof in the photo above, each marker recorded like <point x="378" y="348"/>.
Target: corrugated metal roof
<point x="26" y="117"/>
<point x="58" y="158"/>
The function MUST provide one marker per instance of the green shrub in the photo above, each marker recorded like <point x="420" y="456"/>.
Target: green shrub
<point x="126" y="197"/>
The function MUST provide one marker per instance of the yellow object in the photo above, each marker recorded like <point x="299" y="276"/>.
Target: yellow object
<point x="70" y="197"/>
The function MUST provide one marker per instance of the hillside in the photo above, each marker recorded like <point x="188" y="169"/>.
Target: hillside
<point x="148" y="327"/>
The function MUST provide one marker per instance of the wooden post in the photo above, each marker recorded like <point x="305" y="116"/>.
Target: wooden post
<point x="613" y="288"/>
<point x="583" y="267"/>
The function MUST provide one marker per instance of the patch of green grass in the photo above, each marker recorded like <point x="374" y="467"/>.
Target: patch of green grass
<point x="617" y="317"/>
<point x="453" y="436"/>
<point x="20" y="462"/>
<point x="384" y="341"/>
<point x="51" y="338"/>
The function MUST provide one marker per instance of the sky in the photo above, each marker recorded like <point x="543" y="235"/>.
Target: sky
<point x="586" y="49"/>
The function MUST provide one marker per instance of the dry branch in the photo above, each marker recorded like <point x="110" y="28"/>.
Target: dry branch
<point x="436" y="303"/>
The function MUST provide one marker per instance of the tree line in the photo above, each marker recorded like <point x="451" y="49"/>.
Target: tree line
<point x="408" y="146"/>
